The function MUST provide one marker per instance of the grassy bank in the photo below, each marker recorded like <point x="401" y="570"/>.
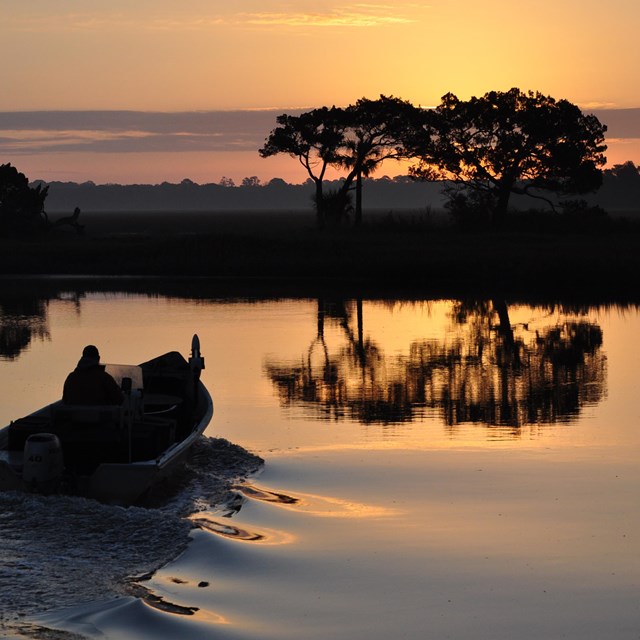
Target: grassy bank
<point x="391" y="254"/>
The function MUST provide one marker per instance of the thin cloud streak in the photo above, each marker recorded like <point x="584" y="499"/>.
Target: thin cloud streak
<point x="357" y="15"/>
<point x="335" y="19"/>
<point x="42" y="132"/>
<point x="251" y="120"/>
<point x="77" y="23"/>
<point x="621" y="123"/>
<point x="134" y="131"/>
<point x="35" y="23"/>
<point x="20" y="142"/>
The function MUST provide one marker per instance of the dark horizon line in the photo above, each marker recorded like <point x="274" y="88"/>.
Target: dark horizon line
<point x="308" y="181"/>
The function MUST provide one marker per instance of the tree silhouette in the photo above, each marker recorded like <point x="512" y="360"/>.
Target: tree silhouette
<point x="375" y="133"/>
<point x="358" y="138"/>
<point x="313" y="138"/>
<point x="486" y="370"/>
<point x="625" y="172"/>
<point x="251" y="181"/>
<point x="506" y="143"/>
<point x="21" y="206"/>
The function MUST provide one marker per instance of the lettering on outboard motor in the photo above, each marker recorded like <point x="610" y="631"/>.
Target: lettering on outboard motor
<point x="43" y="464"/>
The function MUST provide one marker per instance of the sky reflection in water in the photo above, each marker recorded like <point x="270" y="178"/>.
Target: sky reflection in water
<point x="470" y="469"/>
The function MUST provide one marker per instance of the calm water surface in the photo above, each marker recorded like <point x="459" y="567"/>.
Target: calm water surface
<point x="433" y="469"/>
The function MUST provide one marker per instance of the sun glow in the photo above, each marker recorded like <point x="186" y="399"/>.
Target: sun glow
<point x="148" y="56"/>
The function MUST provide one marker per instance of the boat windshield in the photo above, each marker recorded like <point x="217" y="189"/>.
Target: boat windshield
<point x="120" y="371"/>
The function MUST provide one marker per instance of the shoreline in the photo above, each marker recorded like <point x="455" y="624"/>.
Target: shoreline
<point x="263" y="289"/>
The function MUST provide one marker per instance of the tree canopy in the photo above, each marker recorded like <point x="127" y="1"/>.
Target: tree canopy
<point x="511" y="142"/>
<point x="485" y="148"/>
<point x="313" y="138"/>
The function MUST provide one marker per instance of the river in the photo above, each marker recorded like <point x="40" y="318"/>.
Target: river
<point x="431" y="469"/>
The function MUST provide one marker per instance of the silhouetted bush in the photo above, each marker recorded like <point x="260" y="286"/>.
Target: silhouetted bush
<point x="573" y="217"/>
<point x="336" y="206"/>
<point x="21" y="206"/>
<point x="469" y="209"/>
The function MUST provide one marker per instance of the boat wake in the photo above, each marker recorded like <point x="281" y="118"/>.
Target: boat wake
<point x="206" y="480"/>
<point x="62" y="550"/>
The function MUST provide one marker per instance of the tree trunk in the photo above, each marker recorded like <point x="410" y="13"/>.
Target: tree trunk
<point x="504" y="328"/>
<point x="319" y="204"/>
<point x="361" y="354"/>
<point x="358" y="215"/>
<point x="320" y="331"/>
<point x="499" y="212"/>
<point x="511" y="354"/>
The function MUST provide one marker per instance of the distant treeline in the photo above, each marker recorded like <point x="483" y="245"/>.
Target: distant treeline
<point x="619" y="193"/>
<point x="393" y="193"/>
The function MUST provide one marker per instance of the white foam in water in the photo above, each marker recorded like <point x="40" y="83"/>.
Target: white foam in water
<point x="59" y="551"/>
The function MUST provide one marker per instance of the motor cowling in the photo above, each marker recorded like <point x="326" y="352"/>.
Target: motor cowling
<point x="196" y="361"/>
<point x="43" y="463"/>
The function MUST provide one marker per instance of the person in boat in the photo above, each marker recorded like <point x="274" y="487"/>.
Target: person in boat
<point x="89" y="383"/>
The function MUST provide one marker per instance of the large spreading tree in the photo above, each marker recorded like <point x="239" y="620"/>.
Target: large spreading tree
<point x="313" y="138"/>
<point x="511" y="142"/>
<point x="357" y="139"/>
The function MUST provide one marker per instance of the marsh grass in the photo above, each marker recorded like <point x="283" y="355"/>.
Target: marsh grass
<point x="392" y="252"/>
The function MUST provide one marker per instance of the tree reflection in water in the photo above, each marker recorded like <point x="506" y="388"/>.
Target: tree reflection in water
<point x="22" y="318"/>
<point x="485" y="370"/>
<point x="24" y="312"/>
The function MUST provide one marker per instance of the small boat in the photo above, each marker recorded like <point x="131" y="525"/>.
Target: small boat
<point x="113" y="453"/>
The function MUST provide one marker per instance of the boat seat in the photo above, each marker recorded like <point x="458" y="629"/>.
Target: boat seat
<point x="89" y="414"/>
<point x="88" y="426"/>
<point x="81" y="425"/>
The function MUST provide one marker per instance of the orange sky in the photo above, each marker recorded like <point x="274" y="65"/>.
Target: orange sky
<point x="213" y="55"/>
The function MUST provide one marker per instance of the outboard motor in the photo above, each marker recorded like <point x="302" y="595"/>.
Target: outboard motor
<point x="43" y="464"/>
<point x="196" y="362"/>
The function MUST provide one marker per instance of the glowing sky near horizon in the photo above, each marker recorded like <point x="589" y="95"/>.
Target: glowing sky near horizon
<point x="156" y="55"/>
